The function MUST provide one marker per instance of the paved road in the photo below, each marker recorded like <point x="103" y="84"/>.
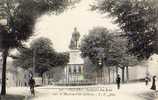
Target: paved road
<point x="136" y="91"/>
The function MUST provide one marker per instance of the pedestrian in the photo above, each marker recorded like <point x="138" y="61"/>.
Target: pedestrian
<point x="146" y="80"/>
<point x="118" y="79"/>
<point x="153" y="87"/>
<point x="32" y="85"/>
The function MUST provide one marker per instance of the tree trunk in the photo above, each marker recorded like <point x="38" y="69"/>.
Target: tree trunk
<point x="113" y="75"/>
<point x="127" y="73"/>
<point x="123" y="75"/>
<point x="98" y="78"/>
<point x="101" y="72"/>
<point x="116" y="70"/>
<point x="3" y="87"/>
<point x="42" y="76"/>
<point x="109" y="74"/>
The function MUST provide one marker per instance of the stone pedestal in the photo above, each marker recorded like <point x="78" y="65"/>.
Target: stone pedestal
<point x="74" y="69"/>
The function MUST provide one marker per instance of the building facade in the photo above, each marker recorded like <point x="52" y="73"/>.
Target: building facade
<point x="10" y="73"/>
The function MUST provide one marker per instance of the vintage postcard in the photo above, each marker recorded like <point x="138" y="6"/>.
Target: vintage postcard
<point x="78" y="49"/>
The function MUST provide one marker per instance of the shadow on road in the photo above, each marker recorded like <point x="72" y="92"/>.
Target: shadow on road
<point x="28" y="98"/>
<point x="12" y="97"/>
<point x="149" y="95"/>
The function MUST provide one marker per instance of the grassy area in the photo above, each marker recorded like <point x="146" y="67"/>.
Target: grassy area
<point x="12" y="97"/>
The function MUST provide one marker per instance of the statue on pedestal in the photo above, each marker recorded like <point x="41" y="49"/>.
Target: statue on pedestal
<point x="74" y="40"/>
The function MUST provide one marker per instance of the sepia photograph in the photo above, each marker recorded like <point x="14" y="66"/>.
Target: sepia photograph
<point x="78" y="49"/>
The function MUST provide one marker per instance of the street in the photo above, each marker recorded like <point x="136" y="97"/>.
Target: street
<point x="131" y="91"/>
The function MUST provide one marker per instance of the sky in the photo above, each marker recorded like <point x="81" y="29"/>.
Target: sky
<point x="59" y="28"/>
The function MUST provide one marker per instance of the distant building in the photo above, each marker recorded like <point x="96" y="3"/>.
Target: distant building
<point x="138" y="72"/>
<point x="146" y="68"/>
<point x="15" y="76"/>
<point x="10" y="73"/>
<point x="152" y="65"/>
<point x="22" y="77"/>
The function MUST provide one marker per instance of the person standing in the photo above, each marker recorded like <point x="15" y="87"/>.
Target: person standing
<point x="118" y="80"/>
<point x="146" y="80"/>
<point x="153" y="87"/>
<point x="32" y="85"/>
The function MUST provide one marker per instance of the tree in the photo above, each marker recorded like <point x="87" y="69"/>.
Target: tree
<point x="21" y="16"/>
<point x="97" y="38"/>
<point x="120" y="56"/>
<point x="89" y="69"/>
<point x="138" y="19"/>
<point x="96" y="46"/>
<point x="11" y="36"/>
<point x="110" y="47"/>
<point x="42" y="52"/>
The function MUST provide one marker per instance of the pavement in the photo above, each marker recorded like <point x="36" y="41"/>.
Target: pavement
<point x="130" y="91"/>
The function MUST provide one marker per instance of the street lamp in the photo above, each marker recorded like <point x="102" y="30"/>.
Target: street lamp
<point x="100" y="62"/>
<point x="100" y="65"/>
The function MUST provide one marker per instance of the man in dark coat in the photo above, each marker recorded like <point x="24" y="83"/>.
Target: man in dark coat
<point x="153" y="87"/>
<point x="32" y="85"/>
<point x="118" y="80"/>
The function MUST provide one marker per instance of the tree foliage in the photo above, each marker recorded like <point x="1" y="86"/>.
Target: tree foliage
<point x="96" y="44"/>
<point x="108" y="49"/>
<point x="114" y="48"/>
<point x="21" y="16"/>
<point x="138" y="19"/>
<point x="45" y="56"/>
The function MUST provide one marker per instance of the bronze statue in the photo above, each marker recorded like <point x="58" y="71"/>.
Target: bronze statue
<point x="74" y="39"/>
